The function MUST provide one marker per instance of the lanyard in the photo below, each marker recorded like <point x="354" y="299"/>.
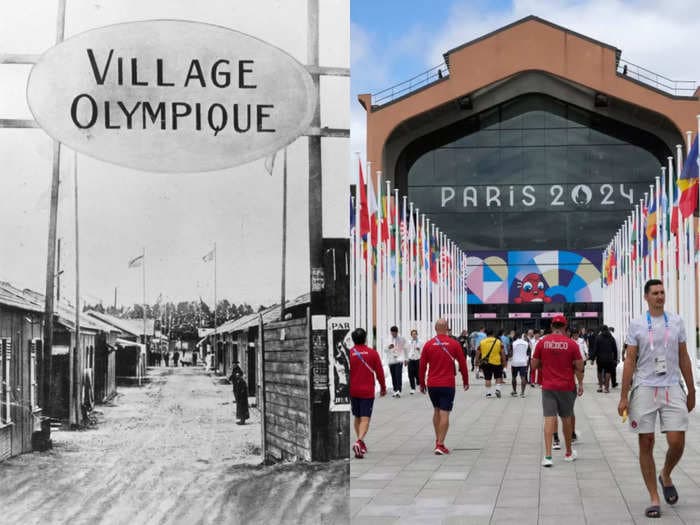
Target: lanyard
<point x="442" y="345"/>
<point x="354" y="351"/>
<point x="651" y="331"/>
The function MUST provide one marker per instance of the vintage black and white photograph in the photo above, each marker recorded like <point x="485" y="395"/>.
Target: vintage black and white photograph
<point x="174" y="270"/>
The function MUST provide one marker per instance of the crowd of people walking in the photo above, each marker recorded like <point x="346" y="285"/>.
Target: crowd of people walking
<point x="655" y="359"/>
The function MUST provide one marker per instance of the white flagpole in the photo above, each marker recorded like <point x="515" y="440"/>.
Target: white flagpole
<point x="390" y="318"/>
<point x="370" y="281"/>
<point x="672" y="288"/>
<point x="680" y="237"/>
<point x="397" y="273"/>
<point x="353" y="255"/>
<point x="411" y="268"/>
<point x="657" y="227"/>
<point x="405" y="323"/>
<point x="380" y="268"/>
<point x="428" y="288"/>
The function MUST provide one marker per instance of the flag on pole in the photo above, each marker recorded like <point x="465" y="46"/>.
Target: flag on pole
<point x="136" y="262"/>
<point x="651" y="219"/>
<point x="688" y="182"/>
<point x="352" y="215"/>
<point x="209" y="256"/>
<point x="433" y="258"/>
<point x="372" y="211"/>
<point x="363" y="205"/>
<point x="674" y="210"/>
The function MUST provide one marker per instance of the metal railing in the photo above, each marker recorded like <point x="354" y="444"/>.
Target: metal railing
<point x="679" y="88"/>
<point x="408" y="86"/>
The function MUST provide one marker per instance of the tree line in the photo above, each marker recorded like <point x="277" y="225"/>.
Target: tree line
<point x="182" y="319"/>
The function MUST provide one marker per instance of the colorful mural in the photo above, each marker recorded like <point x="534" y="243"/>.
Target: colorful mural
<point x="519" y="277"/>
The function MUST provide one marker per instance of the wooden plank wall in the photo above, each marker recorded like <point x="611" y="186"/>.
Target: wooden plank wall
<point x="286" y="390"/>
<point x="21" y="327"/>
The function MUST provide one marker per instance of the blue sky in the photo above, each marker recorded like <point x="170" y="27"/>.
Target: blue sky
<point x="401" y="29"/>
<point x="393" y="40"/>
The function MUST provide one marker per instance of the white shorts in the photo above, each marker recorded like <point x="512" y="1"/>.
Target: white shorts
<point x="668" y="402"/>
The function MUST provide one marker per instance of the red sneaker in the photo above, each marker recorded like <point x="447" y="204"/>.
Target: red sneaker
<point x="357" y="449"/>
<point x="441" y="450"/>
<point x="362" y="444"/>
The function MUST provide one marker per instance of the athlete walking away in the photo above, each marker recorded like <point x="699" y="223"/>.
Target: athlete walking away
<point x="438" y="360"/>
<point x="657" y="357"/>
<point x="491" y="357"/>
<point x="558" y="359"/>
<point x="365" y="365"/>
<point x="518" y="364"/>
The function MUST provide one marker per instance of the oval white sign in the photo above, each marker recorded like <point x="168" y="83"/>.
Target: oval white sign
<point x="171" y="96"/>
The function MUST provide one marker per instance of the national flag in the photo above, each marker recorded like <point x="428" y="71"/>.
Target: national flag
<point x="352" y="216"/>
<point x="403" y="230"/>
<point x="136" y="262"/>
<point x="209" y="256"/>
<point x="372" y="211"/>
<point x="386" y="217"/>
<point x="426" y="249"/>
<point x="688" y="182"/>
<point x="412" y="230"/>
<point x="611" y="265"/>
<point x="674" y="210"/>
<point x="445" y="259"/>
<point x="644" y="239"/>
<point x="433" y="258"/>
<point x="633" y="242"/>
<point x="363" y="206"/>
<point x="651" y="219"/>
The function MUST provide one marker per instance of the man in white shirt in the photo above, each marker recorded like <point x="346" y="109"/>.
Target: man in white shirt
<point x="583" y="344"/>
<point x="518" y="364"/>
<point x="395" y="356"/>
<point x="414" y="347"/>
<point x="657" y="356"/>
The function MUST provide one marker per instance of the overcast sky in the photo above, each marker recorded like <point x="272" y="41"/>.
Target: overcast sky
<point x="393" y="40"/>
<point x="175" y="218"/>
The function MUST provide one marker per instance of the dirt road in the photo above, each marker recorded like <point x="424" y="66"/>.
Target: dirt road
<point x="168" y="452"/>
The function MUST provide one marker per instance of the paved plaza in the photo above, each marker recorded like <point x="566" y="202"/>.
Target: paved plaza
<point x="493" y="474"/>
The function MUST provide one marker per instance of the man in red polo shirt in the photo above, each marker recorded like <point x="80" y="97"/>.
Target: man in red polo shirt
<point x="559" y="359"/>
<point x="365" y="364"/>
<point x="438" y="360"/>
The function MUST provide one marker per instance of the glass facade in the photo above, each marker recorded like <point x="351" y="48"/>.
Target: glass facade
<point x="534" y="173"/>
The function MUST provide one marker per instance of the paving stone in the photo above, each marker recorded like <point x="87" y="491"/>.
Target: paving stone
<point x="493" y="474"/>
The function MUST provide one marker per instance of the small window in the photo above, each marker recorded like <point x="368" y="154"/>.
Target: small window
<point x="34" y="349"/>
<point x="5" y="361"/>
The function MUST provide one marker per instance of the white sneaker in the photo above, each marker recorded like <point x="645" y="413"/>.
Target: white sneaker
<point x="572" y="457"/>
<point x="556" y="445"/>
<point x="413" y="391"/>
<point x="398" y="394"/>
<point x="498" y="393"/>
<point x="488" y="394"/>
<point x="547" y="462"/>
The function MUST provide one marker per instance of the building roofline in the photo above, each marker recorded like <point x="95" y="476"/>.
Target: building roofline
<point x="528" y="18"/>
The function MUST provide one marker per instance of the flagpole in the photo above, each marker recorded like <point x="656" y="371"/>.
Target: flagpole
<point x="143" y="277"/>
<point x="284" y="239"/>
<point x="370" y="287"/>
<point x="75" y="358"/>
<point x="216" y="336"/>
<point x="370" y="281"/>
<point x="379" y="284"/>
<point x="45" y="370"/>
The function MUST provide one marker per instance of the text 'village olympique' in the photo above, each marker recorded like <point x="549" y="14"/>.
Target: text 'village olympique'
<point x="528" y="147"/>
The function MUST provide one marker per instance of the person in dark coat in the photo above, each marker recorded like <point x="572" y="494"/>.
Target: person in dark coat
<point x="605" y="351"/>
<point x="240" y="393"/>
